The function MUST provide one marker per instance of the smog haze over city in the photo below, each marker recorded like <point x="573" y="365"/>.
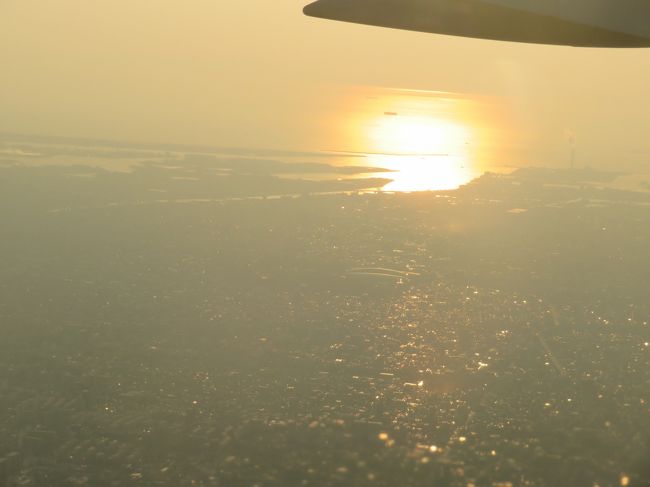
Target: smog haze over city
<point x="245" y="247"/>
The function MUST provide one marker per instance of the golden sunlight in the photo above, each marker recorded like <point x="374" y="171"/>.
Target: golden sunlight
<point x="425" y="152"/>
<point x="423" y="173"/>
<point x="430" y="140"/>
<point x="417" y="135"/>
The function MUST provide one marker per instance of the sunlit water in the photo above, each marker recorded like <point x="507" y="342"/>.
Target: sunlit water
<point x="427" y="140"/>
<point x="424" y="173"/>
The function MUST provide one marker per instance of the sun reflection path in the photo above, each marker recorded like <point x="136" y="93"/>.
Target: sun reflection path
<point x="419" y="134"/>
<point x="423" y="173"/>
<point x="426" y="152"/>
<point x="429" y="140"/>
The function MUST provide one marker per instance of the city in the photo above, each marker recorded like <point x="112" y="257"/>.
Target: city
<point x="493" y="335"/>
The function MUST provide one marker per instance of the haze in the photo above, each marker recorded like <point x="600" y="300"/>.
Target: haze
<point x="246" y="248"/>
<point x="259" y="74"/>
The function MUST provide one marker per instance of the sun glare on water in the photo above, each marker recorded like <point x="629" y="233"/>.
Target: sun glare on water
<point x="425" y="152"/>
<point x="427" y="139"/>
<point x="416" y="135"/>
<point x="422" y="173"/>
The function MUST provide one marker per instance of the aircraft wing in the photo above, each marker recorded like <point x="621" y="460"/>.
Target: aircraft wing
<point x="585" y="23"/>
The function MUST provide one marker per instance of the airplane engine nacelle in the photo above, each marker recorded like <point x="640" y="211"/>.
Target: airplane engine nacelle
<point x="585" y="23"/>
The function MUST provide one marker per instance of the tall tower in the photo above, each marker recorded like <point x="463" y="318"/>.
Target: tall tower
<point x="571" y="139"/>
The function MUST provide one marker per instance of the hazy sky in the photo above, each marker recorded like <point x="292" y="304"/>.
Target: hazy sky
<point x="258" y="73"/>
